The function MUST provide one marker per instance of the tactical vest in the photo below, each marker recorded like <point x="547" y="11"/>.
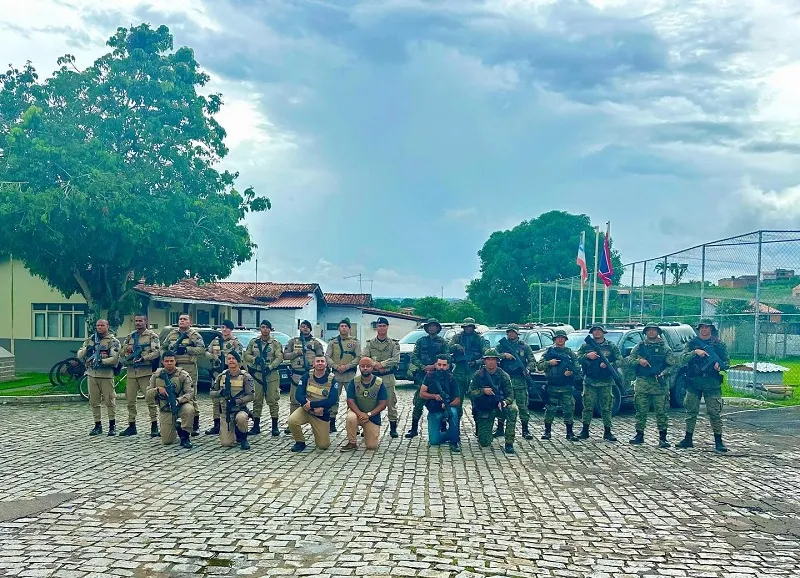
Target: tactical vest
<point x="176" y="338"/>
<point x="318" y="391"/>
<point x="298" y="363"/>
<point x="430" y="348"/>
<point x="592" y="366"/>
<point x="367" y="396"/>
<point x="343" y="350"/>
<point x="237" y="382"/>
<point x="696" y="363"/>
<point x="656" y="353"/>
<point x="145" y="342"/>
<point x="267" y="352"/>
<point x="510" y="366"/>
<point x="555" y="373"/>
<point x="174" y="379"/>
<point x="487" y="403"/>
<point x="472" y="345"/>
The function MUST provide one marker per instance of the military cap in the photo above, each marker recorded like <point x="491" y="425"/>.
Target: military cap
<point x="433" y="321"/>
<point x="346" y="321"/>
<point x="652" y="325"/>
<point x="513" y="327"/>
<point x="706" y="321"/>
<point x="597" y="326"/>
<point x="265" y="322"/>
<point x="382" y="321"/>
<point x="491" y="352"/>
<point x="559" y="333"/>
<point x="307" y="323"/>
<point x="235" y="355"/>
<point x="228" y="323"/>
<point x="468" y="321"/>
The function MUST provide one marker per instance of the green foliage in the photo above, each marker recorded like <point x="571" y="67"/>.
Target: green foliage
<point x="386" y="304"/>
<point x="108" y="173"/>
<point x="443" y="310"/>
<point x="542" y="249"/>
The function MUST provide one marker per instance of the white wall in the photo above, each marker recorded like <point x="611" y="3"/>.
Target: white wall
<point x="334" y="314"/>
<point x="398" y="328"/>
<point x="283" y="320"/>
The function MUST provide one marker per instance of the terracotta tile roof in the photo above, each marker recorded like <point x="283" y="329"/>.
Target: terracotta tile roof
<point x="189" y="289"/>
<point x="394" y="314"/>
<point x="267" y="289"/>
<point x="351" y="299"/>
<point x="290" y="302"/>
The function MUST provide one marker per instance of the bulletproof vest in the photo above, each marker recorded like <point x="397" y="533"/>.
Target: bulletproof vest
<point x="696" y="366"/>
<point x="318" y="391"/>
<point x="656" y="353"/>
<point x="174" y="382"/>
<point x="511" y="366"/>
<point x="343" y="350"/>
<point x="429" y="349"/>
<point x="176" y="338"/>
<point x="367" y="396"/>
<point x="592" y="366"/>
<point x="487" y="402"/>
<point x="229" y="344"/>
<point x="555" y="374"/>
<point x="300" y="362"/>
<point x="237" y="382"/>
<point x="145" y="342"/>
<point x="472" y="346"/>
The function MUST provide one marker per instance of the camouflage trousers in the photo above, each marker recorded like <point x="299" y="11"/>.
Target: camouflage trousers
<point x="520" y="387"/>
<point x="713" y="408"/>
<point x="562" y="398"/>
<point x="594" y="395"/>
<point x="642" y="402"/>
<point x="419" y="403"/>
<point x="462" y="377"/>
<point x="484" y="422"/>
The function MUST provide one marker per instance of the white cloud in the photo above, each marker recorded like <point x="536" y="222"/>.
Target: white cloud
<point x="465" y="214"/>
<point x="771" y="205"/>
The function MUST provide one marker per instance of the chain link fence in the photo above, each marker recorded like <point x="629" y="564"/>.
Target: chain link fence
<point x="749" y="285"/>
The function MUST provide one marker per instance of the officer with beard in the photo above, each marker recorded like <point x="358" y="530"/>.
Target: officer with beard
<point x="442" y="398"/>
<point x="366" y="399"/>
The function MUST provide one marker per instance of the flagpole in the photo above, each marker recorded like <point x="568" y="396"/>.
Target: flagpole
<point x="594" y="282"/>
<point x="583" y="281"/>
<point x="605" y="287"/>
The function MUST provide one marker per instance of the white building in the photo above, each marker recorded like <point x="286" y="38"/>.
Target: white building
<point x="363" y="317"/>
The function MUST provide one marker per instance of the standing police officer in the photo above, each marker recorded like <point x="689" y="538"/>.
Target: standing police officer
<point x="516" y="359"/>
<point x="100" y="352"/>
<point x="263" y="356"/>
<point x="342" y="355"/>
<point x="466" y="350"/>
<point x="187" y="345"/>
<point x="385" y="352"/>
<point x="141" y="350"/>
<point x="598" y="379"/>
<point x="560" y="365"/>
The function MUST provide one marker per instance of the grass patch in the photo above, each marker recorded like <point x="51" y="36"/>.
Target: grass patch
<point x="791" y="377"/>
<point x="25" y="380"/>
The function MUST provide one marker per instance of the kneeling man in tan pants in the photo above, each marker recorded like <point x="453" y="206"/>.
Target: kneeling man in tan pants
<point x="366" y="399"/>
<point x="235" y="387"/>
<point x="316" y="393"/>
<point x="164" y="383"/>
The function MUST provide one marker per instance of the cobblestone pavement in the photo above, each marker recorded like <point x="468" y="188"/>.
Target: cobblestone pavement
<point x="71" y="505"/>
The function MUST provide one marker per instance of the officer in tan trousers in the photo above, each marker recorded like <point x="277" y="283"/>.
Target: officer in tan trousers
<point x="366" y="399"/>
<point x="142" y="351"/>
<point x="232" y="391"/>
<point x="263" y="356"/>
<point x="316" y="393"/>
<point x="385" y="352"/>
<point x="100" y="353"/>
<point x="180" y="384"/>
<point x="301" y="351"/>
<point x="342" y="356"/>
<point x="187" y="345"/>
<point x="215" y="353"/>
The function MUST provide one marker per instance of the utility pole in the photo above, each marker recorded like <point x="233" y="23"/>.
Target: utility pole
<point x="360" y="290"/>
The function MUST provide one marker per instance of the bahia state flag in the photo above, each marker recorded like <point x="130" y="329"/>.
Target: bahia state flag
<point x="606" y="269"/>
<point x="581" y="260"/>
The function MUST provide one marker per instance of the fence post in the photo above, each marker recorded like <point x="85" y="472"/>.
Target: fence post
<point x="702" y="279"/>
<point x="540" y="302"/>
<point x="756" y="307"/>
<point x="630" y="295"/>
<point x="641" y="307"/>
<point x="569" y="311"/>
<point x="663" y="288"/>
<point x="555" y="300"/>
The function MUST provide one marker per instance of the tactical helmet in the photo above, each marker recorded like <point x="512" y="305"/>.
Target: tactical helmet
<point x="559" y="333"/>
<point x="597" y="326"/>
<point x="491" y="352"/>
<point x="652" y="325"/>
<point x="433" y="321"/>
<point x="468" y="321"/>
<point x="513" y="327"/>
<point x="706" y="321"/>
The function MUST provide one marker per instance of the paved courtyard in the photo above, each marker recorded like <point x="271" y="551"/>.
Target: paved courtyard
<point x="71" y="505"/>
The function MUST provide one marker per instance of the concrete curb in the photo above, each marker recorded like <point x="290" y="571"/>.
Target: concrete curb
<point x="748" y="402"/>
<point x="58" y="398"/>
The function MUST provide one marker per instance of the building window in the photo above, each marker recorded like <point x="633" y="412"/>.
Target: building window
<point x="203" y="317"/>
<point x="173" y="317"/>
<point x="331" y="327"/>
<point x="59" y="321"/>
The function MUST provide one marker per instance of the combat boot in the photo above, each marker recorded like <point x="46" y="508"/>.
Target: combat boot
<point x="184" y="435"/>
<point x="275" y="430"/>
<point x="584" y="435"/>
<point x="112" y="428"/>
<point x="571" y="434"/>
<point x="718" y="445"/>
<point x="332" y="427"/>
<point x="526" y="434"/>
<point x="608" y="436"/>
<point x="214" y="429"/>
<point x="393" y="429"/>
<point x="154" y="433"/>
<point x="547" y="428"/>
<point x="129" y="431"/>
<point x="256" y="429"/>
<point x="196" y="426"/>
<point x="501" y="430"/>
<point x="414" y="431"/>
<point x="662" y="439"/>
<point x="638" y="439"/>
<point x="287" y="431"/>
<point x="243" y="443"/>
<point x="686" y="442"/>
<point x="509" y="449"/>
<point x="97" y="430"/>
<point x="298" y="446"/>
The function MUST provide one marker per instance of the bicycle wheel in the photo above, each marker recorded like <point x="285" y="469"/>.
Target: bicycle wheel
<point x="68" y="373"/>
<point x="83" y="387"/>
<point x="51" y="376"/>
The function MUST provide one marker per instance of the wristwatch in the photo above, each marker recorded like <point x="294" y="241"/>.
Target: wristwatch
<point x="369" y="414"/>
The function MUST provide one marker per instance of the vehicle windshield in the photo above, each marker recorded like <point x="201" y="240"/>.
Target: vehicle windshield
<point x="575" y="340"/>
<point x="282" y="338"/>
<point x="244" y="336"/>
<point x="494" y="336"/>
<point x="413" y="337"/>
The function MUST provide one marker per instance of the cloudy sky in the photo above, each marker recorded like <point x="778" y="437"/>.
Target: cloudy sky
<point x="398" y="134"/>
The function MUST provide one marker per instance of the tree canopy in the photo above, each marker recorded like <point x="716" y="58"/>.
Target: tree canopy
<point x="107" y="174"/>
<point x="540" y="250"/>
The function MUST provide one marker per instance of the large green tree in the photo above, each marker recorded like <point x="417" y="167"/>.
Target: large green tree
<point x="540" y="250"/>
<point x="108" y="173"/>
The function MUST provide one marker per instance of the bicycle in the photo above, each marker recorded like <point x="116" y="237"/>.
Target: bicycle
<point x="119" y="385"/>
<point x="67" y="373"/>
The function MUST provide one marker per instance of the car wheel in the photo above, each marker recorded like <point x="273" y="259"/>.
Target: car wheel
<point x="678" y="392"/>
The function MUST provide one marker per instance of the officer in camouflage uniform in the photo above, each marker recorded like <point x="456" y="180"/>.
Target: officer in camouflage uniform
<point x="216" y="354"/>
<point x="342" y="354"/>
<point x="467" y="349"/>
<point x="423" y="359"/>
<point x="235" y="386"/>
<point x="492" y="398"/>
<point x="385" y="352"/>
<point x="560" y="366"/>
<point x="187" y="345"/>
<point x="512" y="352"/>
<point x="142" y="351"/>
<point x="652" y="361"/>
<point x="263" y="356"/>
<point x="704" y="380"/>
<point x="598" y="379"/>
<point x="181" y="383"/>
<point x="301" y="351"/>
<point x="100" y="353"/>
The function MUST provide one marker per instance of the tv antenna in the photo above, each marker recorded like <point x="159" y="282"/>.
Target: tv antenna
<point x="360" y="286"/>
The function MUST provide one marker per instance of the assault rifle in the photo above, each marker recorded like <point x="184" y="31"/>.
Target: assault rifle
<point x="177" y="348"/>
<point x="261" y="367"/>
<point x="497" y="399"/>
<point x="171" y="398"/>
<point x="231" y="407"/>
<point x="508" y="348"/>
<point x="446" y="401"/>
<point x="96" y="363"/>
<point x="136" y="353"/>
<point x="219" y="362"/>
<point x="712" y="359"/>
<point x="615" y="375"/>
<point x="469" y="356"/>
<point x="650" y="370"/>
